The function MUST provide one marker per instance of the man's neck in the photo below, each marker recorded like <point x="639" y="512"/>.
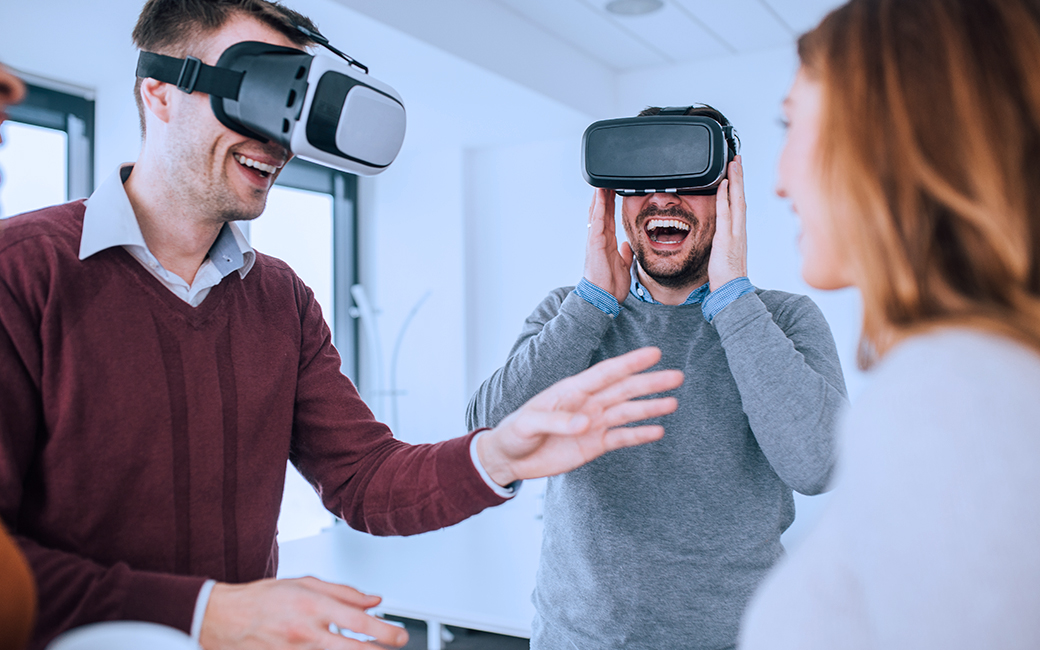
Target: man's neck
<point x="176" y="234"/>
<point x="668" y="295"/>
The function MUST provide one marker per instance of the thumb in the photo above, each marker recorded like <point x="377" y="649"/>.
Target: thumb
<point x="626" y="254"/>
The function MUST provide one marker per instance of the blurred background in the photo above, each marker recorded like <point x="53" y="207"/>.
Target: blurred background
<point x="426" y="272"/>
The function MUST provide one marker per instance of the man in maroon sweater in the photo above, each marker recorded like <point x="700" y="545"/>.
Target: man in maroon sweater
<point x="156" y="373"/>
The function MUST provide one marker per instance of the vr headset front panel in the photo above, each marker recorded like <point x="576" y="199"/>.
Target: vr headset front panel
<point x="321" y="108"/>
<point x="655" y="153"/>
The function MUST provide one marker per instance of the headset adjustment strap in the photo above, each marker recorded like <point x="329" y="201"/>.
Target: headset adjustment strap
<point x="190" y="74"/>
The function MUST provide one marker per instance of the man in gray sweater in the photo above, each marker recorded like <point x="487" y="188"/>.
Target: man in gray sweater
<point x="661" y="545"/>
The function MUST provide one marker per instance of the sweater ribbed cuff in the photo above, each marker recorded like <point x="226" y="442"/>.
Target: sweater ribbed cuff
<point x="162" y="598"/>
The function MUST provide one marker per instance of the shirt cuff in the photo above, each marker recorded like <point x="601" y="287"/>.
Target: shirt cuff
<point x="200" y="609"/>
<point x="598" y="298"/>
<point x="721" y="298"/>
<point x="507" y="492"/>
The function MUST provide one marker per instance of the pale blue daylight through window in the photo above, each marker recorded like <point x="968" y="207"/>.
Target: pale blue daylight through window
<point x="297" y="228"/>
<point x="33" y="167"/>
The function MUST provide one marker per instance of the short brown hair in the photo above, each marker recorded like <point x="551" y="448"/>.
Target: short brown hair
<point x="171" y="27"/>
<point x="930" y="145"/>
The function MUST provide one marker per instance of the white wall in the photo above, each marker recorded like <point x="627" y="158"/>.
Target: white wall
<point x="526" y="210"/>
<point x="485" y="207"/>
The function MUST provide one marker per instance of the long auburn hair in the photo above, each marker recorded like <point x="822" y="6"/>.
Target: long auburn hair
<point x="930" y="136"/>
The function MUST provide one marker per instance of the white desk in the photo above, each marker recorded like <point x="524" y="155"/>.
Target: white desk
<point x="478" y="574"/>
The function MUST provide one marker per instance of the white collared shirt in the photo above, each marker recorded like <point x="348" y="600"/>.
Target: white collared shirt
<point x="109" y="221"/>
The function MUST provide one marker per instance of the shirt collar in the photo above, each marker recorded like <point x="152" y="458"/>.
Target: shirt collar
<point x="641" y="293"/>
<point x="109" y="221"/>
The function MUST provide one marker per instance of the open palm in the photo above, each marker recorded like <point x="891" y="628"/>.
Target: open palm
<point x="581" y="418"/>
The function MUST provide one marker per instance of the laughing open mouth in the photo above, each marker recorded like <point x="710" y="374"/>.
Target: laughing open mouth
<point x="666" y="231"/>
<point x="261" y="168"/>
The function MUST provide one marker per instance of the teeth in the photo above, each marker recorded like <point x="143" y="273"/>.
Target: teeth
<point x="666" y="223"/>
<point x="255" y="164"/>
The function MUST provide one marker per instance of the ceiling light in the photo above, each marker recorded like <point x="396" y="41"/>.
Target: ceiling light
<point x="633" y="7"/>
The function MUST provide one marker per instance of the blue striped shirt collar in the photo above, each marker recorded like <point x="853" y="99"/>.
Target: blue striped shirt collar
<point x="641" y="293"/>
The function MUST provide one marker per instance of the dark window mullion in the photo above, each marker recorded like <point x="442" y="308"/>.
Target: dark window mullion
<point x="304" y="175"/>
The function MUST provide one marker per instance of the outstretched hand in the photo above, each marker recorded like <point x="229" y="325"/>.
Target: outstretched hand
<point x="606" y="266"/>
<point x="728" y="259"/>
<point x="580" y="418"/>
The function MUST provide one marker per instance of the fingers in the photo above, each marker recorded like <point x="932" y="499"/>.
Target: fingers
<point x="292" y="614"/>
<point x="626" y="254"/>
<point x="737" y="201"/>
<point x="342" y="593"/>
<point x="625" y="413"/>
<point x="334" y="640"/>
<point x="640" y="385"/>
<point x="361" y="624"/>
<point x="598" y="212"/>
<point x="606" y="373"/>
<point x="343" y="606"/>
<point x="632" y="436"/>
<point x="730" y="203"/>
<point x="723" y="219"/>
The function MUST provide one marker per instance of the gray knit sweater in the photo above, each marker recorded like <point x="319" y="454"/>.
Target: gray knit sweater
<point x="662" y="545"/>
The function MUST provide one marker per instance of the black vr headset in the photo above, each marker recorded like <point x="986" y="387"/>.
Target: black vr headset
<point x="668" y="152"/>
<point x="321" y="108"/>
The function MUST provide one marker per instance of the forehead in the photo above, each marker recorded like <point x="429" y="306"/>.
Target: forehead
<point x="237" y="29"/>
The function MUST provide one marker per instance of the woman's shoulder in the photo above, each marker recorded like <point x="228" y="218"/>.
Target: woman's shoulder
<point x="949" y="359"/>
<point x="952" y="396"/>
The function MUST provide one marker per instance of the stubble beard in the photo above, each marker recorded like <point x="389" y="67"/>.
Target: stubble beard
<point x="667" y="269"/>
<point x="212" y="194"/>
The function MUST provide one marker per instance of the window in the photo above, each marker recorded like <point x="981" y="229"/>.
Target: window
<point x="48" y="151"/>
<point x="310" y="223"/>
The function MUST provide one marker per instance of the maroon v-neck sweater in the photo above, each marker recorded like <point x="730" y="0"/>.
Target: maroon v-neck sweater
<point x="143" y="442"/>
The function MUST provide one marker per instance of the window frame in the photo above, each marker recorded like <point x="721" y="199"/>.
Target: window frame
<point x="303" y="175"/>
<point x="65" y="108"/>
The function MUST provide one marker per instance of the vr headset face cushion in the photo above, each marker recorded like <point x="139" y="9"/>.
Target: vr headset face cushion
<point x="658" y="153"/>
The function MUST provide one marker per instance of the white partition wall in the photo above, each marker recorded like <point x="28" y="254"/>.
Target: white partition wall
<point x="481" y="216"/>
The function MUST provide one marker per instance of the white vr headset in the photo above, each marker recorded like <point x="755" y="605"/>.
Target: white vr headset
<point x="321" y="108"/>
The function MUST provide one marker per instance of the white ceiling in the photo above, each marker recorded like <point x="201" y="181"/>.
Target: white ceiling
<point x="573" y="50"/>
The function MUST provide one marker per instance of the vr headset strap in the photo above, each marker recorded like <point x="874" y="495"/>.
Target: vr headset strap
<point x="190" y="74"/>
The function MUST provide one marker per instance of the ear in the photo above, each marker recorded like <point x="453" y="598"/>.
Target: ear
<point x="157" y="97"/>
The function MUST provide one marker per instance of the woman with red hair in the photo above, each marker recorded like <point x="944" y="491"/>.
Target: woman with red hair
<point x="913" y="162"/>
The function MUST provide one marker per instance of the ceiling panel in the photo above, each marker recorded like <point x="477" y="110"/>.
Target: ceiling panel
<point x="803" y="15"/>
<point x="745" y="25"/>
<point x="589" y="30"/>
<point x="670" y="31"/>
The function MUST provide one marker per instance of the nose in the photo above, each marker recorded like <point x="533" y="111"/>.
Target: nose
<point x="664" y="200"/>
<point x="781" y="186"/>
